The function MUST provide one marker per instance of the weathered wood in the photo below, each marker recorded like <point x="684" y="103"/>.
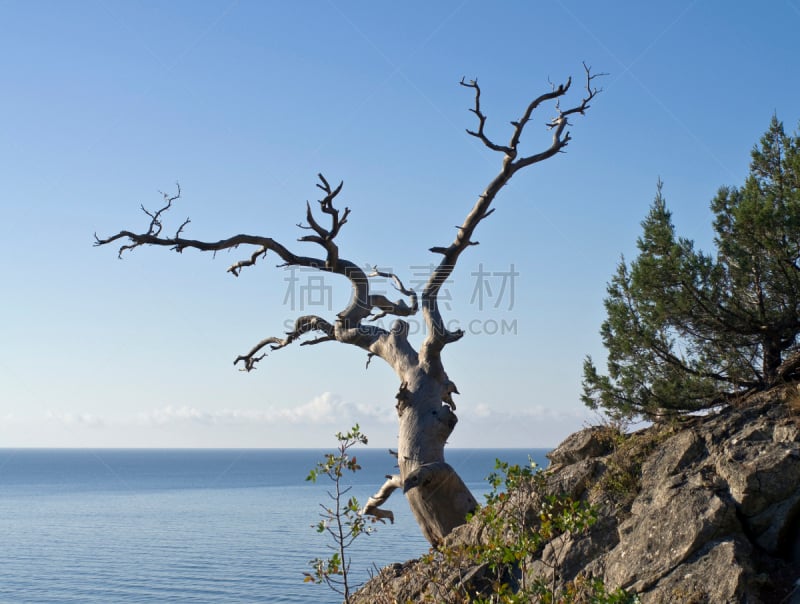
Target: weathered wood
<point x="438" y="497"/>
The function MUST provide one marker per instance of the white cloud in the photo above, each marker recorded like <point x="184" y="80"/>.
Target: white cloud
<point x="485" y="425"/>
<point x="529" y="412"/>
<point x="308" y="424"/>
<point x="482" y="410"/>
<point x="72" y="419"/>
<point x="327" y="408"/>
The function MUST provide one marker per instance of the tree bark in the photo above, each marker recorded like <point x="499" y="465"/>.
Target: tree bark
<point x="436" y="493"/>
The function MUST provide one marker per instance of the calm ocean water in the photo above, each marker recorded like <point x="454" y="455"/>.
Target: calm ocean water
<point x="199" y="526"/>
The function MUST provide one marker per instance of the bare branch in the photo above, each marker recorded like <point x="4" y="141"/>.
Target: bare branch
<point x="398" y="308"/>
<point x="155" y="224"/>
<point x="561" y="136"/>
<point x="398" y="285"/>
<point x="326" y="205"/>
<point x="438" y="336"/>
<point x="325" y="237"/>
<point x="480" y="134"/>
<point x="519" y="125"/>
<point x="302" y="326"/>
<point x="155" y="227"/>
<point x="348" y="325"/>
<point x="590" y="90"/>
<point x="319" y="340"/>
<point x="236" y="267"/>
<point x="372" y="508"/>
<point x="183" y="225"/>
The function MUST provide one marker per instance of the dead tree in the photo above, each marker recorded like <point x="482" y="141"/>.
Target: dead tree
<point x="437" y="495"/>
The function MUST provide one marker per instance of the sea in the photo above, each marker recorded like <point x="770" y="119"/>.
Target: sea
<point x="193" y="525"/>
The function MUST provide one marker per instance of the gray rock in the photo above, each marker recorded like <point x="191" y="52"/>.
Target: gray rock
<point x="664" y="531"/>
<point x="786" y="432"/>
<point x="776" y="528"/>
<point x="716" y="518"/>
<point x="759" y="473"/>
<point x="591" y="442"/>
<point x="573" y="480"/>
<point x="717" y="574"/>
<point x="670" y="457"/>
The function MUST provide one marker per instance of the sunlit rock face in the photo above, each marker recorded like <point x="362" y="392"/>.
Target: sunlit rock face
<point x="703" y="510"/>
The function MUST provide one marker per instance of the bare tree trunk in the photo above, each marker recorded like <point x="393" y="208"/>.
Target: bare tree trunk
<point x="437" y="495"/>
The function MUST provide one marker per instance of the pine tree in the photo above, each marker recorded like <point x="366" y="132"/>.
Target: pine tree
<point x="686" y="330"/>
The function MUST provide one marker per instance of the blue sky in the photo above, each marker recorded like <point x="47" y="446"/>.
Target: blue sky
<point x="107" y="103"/>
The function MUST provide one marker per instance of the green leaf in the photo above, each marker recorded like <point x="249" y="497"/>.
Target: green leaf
<point x="686" y="330"/>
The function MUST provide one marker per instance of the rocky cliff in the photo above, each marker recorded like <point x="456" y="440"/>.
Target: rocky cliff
<point x="704" y="509"/>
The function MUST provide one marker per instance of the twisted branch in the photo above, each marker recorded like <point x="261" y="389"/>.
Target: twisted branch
<point x="398" y="308"/>
<point x="372" y="507"/>
<point x="347" y="326"/>
<point x="155" y="227"/>
<point x="302" y="326"/>
<point x="438" y="335"/>
<point x="479" y="133"/>
<point x="325" y="237"/>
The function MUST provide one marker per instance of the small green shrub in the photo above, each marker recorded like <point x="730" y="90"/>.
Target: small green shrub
<point x="340" y="520"/>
